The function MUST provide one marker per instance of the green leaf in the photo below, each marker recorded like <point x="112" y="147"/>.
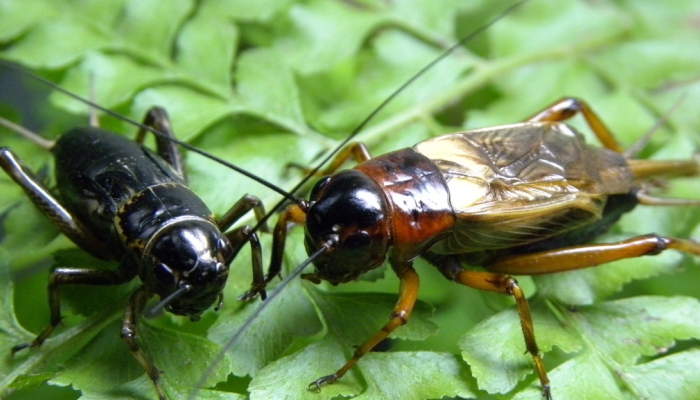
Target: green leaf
<point x="423" y="375"/>
<point x="643" y="326"/>
<point x="265" y="83"/>
<point x="257" y="83"/>
<point x="292" y="315"/>
<point x="498" y="367"/>
<point x="180" y="355"/>
<point x="584" y="377"/>
<point x="282" y="379"/>
<point x="195" y="41"/>
<point x="11" y="332"/>
<point x="648" y="379"/>
<point x="375" y="309"/>
<point x="344" y="332"/>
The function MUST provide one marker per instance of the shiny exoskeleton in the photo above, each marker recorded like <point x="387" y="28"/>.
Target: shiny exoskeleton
<point x="520" y="199"/>
<point x="118" y="200"/>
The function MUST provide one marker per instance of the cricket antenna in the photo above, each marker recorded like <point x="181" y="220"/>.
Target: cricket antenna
<point x="466" y="39"/>
<point x="481" y="29"/>
<point x="155" y="310"/>
<point x="254" y="316"/>
<point x="269" y="185"/>
<point x="639" y="145"/>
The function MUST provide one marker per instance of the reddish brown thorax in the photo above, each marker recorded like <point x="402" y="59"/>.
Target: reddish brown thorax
<point x="419" y="199"/>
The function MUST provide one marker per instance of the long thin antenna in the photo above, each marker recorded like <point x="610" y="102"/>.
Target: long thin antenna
<point x="153" y="311"/>
<point x="252" y="318"/>
<point x="384" y="103"/>
<point x="409" y="82"/>
<point x="270" y="185"/>
<point x="640" y="143"/>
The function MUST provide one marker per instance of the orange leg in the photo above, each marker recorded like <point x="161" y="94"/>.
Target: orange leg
<point x="649" y="169"/>
<point x="584" y="256"/>
<point x="566" y="108"/>
<point x="356" y="151"/>
<point x="408" y="292"/>
<point x="557" y="260"/>
<point x="503" y="284"/>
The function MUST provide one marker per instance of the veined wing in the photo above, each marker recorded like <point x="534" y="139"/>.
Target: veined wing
<point x="521" y="183"/>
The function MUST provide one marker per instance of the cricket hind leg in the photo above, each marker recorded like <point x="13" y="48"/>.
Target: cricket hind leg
<point x="590" y="255"/>
<point x="157" y="118"/>
<point x="503" y="284"/>
<point x="568" y="107"/>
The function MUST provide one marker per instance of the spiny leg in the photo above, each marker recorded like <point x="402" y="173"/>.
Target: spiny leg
<point x="559" y="260"/>
<point x="134" y="308"/>
<point x="408" y="293"/>
<point x="240" y="208"/>
<point x="70" y="276"/>
<point x="49" y="205"/>
<point x="291" y="215"/>
<point x="585" y="256"/>
<point x="566" y="108"/>
<point x="507" y="285"/>
<point x="240" y="236"/>
<point x="157" y="118"/>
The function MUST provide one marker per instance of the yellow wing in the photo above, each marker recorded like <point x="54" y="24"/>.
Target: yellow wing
<point x="517" y="184"/>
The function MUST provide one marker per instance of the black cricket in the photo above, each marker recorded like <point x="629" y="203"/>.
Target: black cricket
<point x="120" y="201"/>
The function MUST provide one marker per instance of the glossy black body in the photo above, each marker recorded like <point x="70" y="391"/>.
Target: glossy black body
<point x="118" y="200"/>
<point x="138" y="207"/>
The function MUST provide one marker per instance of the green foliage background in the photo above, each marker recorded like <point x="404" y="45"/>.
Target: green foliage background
<point x="269" y="82"/>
